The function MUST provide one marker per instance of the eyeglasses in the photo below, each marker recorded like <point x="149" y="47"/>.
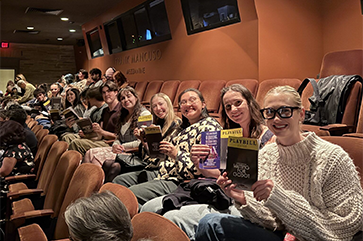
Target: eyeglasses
<point x="191" y="100"/>
<point x="283" y="112"/>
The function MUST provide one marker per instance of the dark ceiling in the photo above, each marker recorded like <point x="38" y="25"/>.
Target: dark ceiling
<point x="15" y="16"/>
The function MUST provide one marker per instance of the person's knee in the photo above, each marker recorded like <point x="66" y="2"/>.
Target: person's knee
<point x="153" y="205"/>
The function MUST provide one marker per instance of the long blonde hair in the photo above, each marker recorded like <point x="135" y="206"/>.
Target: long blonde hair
<point x="170" y="116"/>
<point x="286" y="89"/>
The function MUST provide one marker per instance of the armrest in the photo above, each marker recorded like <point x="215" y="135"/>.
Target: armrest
<point x="19" y="219"/>
<point x="356" y="135"/>
<point x="338" y="129"/>
<point x="32" y="214"/>
<point x="18" y="178"/>
<point x="25" y="192"/>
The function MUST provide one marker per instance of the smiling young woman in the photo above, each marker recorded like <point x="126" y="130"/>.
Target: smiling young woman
<point x="307" y="186"/>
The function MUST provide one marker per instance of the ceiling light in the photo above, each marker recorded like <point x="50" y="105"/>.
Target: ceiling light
<point x="72" y="30"/>
<point x="64" y="19"/>
<point x="30" y="27"/>
<point x="59" y="39"/>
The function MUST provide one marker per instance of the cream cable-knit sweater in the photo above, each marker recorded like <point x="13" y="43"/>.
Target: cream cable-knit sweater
<point x="316" y="195"/>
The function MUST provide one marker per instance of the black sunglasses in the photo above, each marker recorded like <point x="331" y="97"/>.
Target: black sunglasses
<point x="283" y="112"/>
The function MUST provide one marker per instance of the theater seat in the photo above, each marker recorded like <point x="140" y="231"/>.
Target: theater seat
<point x="347" y="62"/>
<point x="250" y="84"/>
<point x="126" y="196"/>
<point x="41" y="134"/>
<point x="23" y="211"/>
<point x="268" y="84"/>
<point x="87" y="179"/>
<point x="169" y="88"/>
<point x="32" y="232"/>
<point x="140" y="88"/>
<point x="36" y="128"/>
<point x="211" y="91"/>
<point x="152" y="226"/>
<point x="152" y="88"/>
<point x="359" y="130"/>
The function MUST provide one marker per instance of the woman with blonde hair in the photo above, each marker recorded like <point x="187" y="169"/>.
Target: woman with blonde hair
<point x="306" y="186"/>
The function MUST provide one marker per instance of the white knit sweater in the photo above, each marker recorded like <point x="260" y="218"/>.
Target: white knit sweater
<point x="316" y="195"/>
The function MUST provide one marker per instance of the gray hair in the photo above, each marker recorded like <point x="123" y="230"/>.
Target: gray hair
<point x="99" y="217"/>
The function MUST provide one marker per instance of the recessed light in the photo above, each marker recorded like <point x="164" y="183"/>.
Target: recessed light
<point x="30" y="27"/>
<point x="59" y="39"/>
<point x="72" y="30"/>
<point x="64" y="19"/>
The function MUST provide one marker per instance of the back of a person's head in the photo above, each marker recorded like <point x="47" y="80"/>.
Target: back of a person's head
<point x="17" y="113"/>
<point x="11" y="133"/>
<point x="94" y="93"/>
<point x="101" y="216"/>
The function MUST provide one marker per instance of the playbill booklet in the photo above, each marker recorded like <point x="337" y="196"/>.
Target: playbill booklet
<point x="70" y="113"/>
<point x="217" y="142"/>
<point x="86" y="126"/>
<point x="153" y="137"/>
<point x="144" y="121"/>
<point x="242" y="161"/>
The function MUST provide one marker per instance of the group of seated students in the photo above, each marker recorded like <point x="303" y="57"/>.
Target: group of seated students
<point x="306" y="186"/>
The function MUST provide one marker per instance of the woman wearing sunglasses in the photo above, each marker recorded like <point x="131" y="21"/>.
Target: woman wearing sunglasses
<point x="307" y="186"/>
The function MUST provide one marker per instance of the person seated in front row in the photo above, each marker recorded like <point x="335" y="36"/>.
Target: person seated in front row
<point x="101" y="216"/>
<point x="125" y="140"/>
<point x="177" y="166"/>
<point x="307" y="186"/>
<point x="164" y="116"/>
<point x="239" y="110"/>
<point x="17" y="157"/>
<point x="18" y="114"/>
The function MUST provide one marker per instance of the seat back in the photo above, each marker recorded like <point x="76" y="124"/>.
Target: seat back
<point x="126" y="196"/>
<point x="132" y="84"/>
<point x="41" y="134"/>
<point x="347" y="62"/>
<point x="36" y="129"/>
<point x="169" y="88"/>
<point x="87" y="179"/>
<point x="186" y="84"/>
<point x="353" y="146"/>
<point x="151" y="225"/>
<point x="140" y="88"/>
<point x="250" y="84"/>
<point x="152" y="88"/>
<point x="360" y="119"/>
<point x="268" y="84"/>
<point x="32" y="232"/>
<point x="351" y="112"/>
<point x="59" y="182"/>
<point x="211" y="90"/>
<point x="55" y="152"/>
<point x="32" y="123"/>
<point x="42" y="153"/>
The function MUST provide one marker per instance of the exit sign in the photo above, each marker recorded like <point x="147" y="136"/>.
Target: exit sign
<point x="4" y="45"/>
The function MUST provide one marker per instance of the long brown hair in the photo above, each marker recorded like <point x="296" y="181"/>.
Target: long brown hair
<point x="124" y="112"/>
<point x="256" y="118"/>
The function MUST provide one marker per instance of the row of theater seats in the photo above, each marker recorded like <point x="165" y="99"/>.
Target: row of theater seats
<point x="211" y="93"/>
<point x="59" y="180"/>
